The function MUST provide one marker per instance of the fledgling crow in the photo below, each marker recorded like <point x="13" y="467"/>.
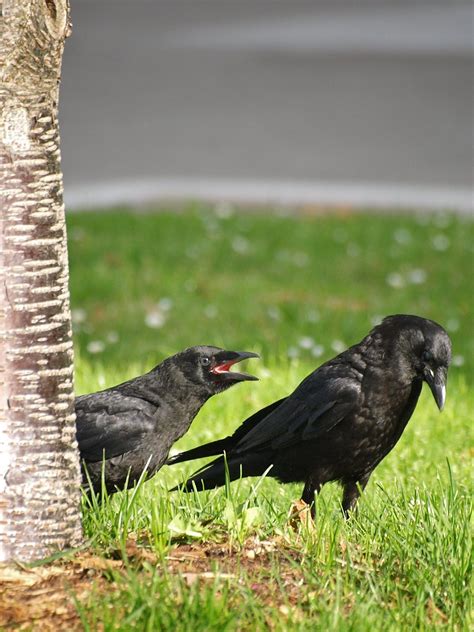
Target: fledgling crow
<point x="342" y="420"/>
<point x="128" y="426"/>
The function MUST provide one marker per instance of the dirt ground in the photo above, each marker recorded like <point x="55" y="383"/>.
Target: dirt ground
<point x="43" y="597"/>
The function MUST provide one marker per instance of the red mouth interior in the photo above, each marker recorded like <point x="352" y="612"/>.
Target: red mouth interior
<point x="223" y="368"/>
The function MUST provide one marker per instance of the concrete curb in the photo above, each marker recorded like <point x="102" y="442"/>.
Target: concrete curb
<point x="360" y="195"/>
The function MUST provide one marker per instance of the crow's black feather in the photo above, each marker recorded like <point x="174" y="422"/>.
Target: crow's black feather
<point x="128" y="427"/>
<point x="343" y="419"/>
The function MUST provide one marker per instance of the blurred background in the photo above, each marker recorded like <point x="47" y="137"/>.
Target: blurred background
<point x="204" y="107"/>
<point x="358" y="102"/>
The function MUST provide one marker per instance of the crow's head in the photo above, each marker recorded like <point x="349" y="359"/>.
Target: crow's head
<point x="211" y="367"/>
<point x="422" y="349"/>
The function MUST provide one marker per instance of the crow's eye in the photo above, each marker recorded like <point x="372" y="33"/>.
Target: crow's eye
<point x="427" y="356"/>
<point x="205" y="361"/>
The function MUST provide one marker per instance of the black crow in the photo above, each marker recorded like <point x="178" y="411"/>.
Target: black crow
<point x="131" y="426"/>
<point x="342" y="420"/>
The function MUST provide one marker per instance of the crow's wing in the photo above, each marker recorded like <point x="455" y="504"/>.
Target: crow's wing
<point x="319" y="403"/>
<point x="111" y="423"/>
<point x="255" y="419"/>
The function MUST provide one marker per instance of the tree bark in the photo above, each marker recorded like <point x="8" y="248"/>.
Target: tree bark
<point x="39" y="461"/>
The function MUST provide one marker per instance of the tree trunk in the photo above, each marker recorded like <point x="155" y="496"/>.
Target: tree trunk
<point x="39" y="461"/>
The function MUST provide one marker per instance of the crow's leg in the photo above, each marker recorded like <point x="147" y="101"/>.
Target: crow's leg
<point x="312" y="486"/>
<point x="351" y="493"/>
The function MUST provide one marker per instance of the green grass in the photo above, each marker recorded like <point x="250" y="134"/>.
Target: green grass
<point x="296" y="290"/>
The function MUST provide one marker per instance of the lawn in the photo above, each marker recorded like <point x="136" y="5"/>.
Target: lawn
<point x="296" y="289"/>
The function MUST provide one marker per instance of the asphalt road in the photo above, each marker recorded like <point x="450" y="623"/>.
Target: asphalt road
<point x="201" y="98"/>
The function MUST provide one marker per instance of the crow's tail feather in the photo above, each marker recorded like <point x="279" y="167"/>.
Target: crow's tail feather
<point x="207" y="477"/>
<point x="209" y="449"/>
<point x="214" y="474"/>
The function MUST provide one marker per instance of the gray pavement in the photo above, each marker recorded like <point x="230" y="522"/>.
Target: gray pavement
<point x="366" y="102"/>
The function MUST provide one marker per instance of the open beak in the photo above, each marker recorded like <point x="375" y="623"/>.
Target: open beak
<point x="436" y="380"/>
<point x="226" y="359"/>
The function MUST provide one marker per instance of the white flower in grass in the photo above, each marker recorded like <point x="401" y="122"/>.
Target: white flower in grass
<point x="300" y="259"/>
<point x="441" y="242"/>
<point x="274" y="313"/>
<point x="190" y="285"/>
<point x="112" y="337"/>
<point x="313" y="316"/>
<point x="353" y="250"/>
<point x="77" y="234"/>
<point x="338" y="346"/>
<point x="95" y="346"/>
<point x="224" y="210"/>
<point x="402" y="236"/>
<point x="395" y="280"/>
<point x="452" y="324"/>
<point x="101" y="381"/>
<point x="458" y="360"/>
<point x="417" y="276"/>
<point x="210" y="311"/>
<point x="165" y="304"/>
<point x="293" y="352"/>
<point x="155" y="319"/>
<point x="240" y="245"/>
<point x="376" y="319"/>
<point x="306" y="342"/>
<point x="78" y="315"/>
<point x="317" y="351"/>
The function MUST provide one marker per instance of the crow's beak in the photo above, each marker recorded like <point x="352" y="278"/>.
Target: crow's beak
<point x="436" y="380"/>
<point x="226" y="359"/>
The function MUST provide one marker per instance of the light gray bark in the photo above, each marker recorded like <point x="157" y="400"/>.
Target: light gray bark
<point x="39" y="461"/>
